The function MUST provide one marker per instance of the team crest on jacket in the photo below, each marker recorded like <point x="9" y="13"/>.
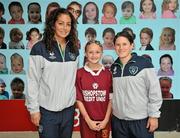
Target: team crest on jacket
<point x="133" y="70"/>
<point x="52" y="55"/>
<point x="114" y="70"/>
<point x="72" y="56"/>
<point x="95" y="85"/>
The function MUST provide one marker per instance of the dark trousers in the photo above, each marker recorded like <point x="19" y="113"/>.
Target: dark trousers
<point x="56" y="124"/>
<point x="130" y="128"/>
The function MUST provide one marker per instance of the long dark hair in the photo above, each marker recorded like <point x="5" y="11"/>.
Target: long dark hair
<point x="49" y="32"/>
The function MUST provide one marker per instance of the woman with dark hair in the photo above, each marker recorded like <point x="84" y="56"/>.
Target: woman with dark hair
<point x="51" y="79"/>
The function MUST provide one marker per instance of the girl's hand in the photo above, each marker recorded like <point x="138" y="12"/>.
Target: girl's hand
<point x="93" y="125"/>
<point x="102" y="124"/>
<point x="35" y="118"/>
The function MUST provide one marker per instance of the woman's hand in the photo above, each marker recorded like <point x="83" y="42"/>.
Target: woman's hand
<point x="35" y="118"/>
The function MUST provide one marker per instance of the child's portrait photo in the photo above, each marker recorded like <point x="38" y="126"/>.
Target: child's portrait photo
<point x="109" y="13"/>
<point x="34" y="13"/>
<point x="16" y="12"/>
<point x="108" y="37"/>
<point x="17" y="88"/>
<point x="50" y="8"/>
<point x="146" y="35"/>
<point x="33" y="36"/>
<point x="90" y="13"/>
<point x="147" y="9"/>
<point x="16" y="37"/>
<point x="107" y="61"/>
<point x="166" y="84"/>
<point x="2" y="11"/>
<point x="2" y="35"/>
<point x="127" y="9"/>
<point x="90" y="34"/>
<point x="3" y="66"/>
<point x="167" y="39"/>
<point x="17" y="64"/>
<point x="166" y="65"/>
<point x="169" y="8"/>
<point x="4" y="95"/>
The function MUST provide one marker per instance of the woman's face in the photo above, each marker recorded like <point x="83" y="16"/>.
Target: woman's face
<point x="34" y="13"/>
<point x="172" y="5"/>
<point x="90" y="12"/>
<point x="123" y="47"/>
<point x="62" y="26"/>
<point x="166" y="64"/>
<point x="17" y="65"/>
<point x="147" y="6"/>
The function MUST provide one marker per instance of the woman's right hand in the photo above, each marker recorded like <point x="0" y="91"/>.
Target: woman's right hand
<point x="35" y="118"/>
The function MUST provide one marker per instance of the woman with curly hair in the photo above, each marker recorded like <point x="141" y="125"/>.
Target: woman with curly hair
<point x="51" y="78"/>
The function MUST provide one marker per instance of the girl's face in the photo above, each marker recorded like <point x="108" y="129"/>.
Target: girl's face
<point x="167" y="37"/>
<point x="108" y="38"/>
<point x="16" y="12"/>
<point x="75" y="10"/>
<point x="2" y="63"/>
<point x="172" y="5"/>
<point x="90" y="37"/>
<point x="34" y="36"/>
<point x="123" y="47"/>
<point x="107" y="61"/>
<point x="109" y="12"/>
<point x="90" y="12"/>
<point x="62" y="26"/>
<point x="17" y="65"/>
<point x="166" y="64"/>
<point x="165" y="86"/>
<point x="34" y="13"/>
<point x="147" y="6"/>
<point x="145" y="39"/>
<point x="127" y="12"/>
<point x="93" y="53"/>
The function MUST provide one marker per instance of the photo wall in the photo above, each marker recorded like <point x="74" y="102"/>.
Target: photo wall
<point x="158" y="26"/>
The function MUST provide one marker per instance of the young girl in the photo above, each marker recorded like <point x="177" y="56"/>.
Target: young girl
<point x="90" y="34"/>
<point x="127" y="9"/>
<point x="2" y="10"/>
<point x="147" y="9"/>
<point x="146" y="35"/>
<point x="17" y="64"/>
<point x="93" y="86"/>
<point x="109" y="10"/>
<point x="34" y="13"/>
<point x="90" y="13"/>
<point x="167" y="39"/>
<point x="107" y="61"/>
<point x="33" y="35"/>
<point x="108" y="37"/>
<point x="166" y="84"/>
<point x="166" y="63"/>
<point x="16" y="11"/>
<point x="169" y="7"/>
<point x="3" y="67"/>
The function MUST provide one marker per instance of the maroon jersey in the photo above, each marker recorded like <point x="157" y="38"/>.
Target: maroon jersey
<point x="93" y="89"/>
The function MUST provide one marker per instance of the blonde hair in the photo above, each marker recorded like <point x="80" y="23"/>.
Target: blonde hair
<point x="165" y="5"/>
<point x="16" y="56"/>
<point x="167" y="29"/>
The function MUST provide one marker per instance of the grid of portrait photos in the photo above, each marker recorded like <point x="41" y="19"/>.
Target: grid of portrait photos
<point x="154" y="25"/>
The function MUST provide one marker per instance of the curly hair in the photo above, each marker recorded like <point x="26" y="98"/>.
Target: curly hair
<point x="49" y="31"/>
